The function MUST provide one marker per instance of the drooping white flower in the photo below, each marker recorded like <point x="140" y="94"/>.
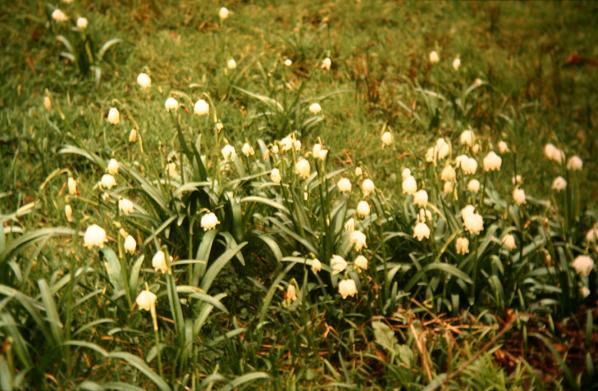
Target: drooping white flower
<point x="421" y="231"/>
<point x="316" y="265"/>
<point x="492" y="162"/>
<point x="433" y="57"/>
<point x="350" y="225"/>
<point x="478" y="82"/>
<point x="95" y="236"/>
<point x="112" y="167"/>
<point x="144" y="81"/>
<point x="326" y="64"/>
<point x="347" y="288"/>
<point x="462" y="245"/>
<point x="409" y="185"/>
<point x="247" y="150"/>
<point x="113" y="116"/>
<point x="209" y="221"/>
<point x="584" y="291"/>
<point x="59" y="16"/>
<point x="287" y="62"/>
<point x="286" y="143"/>
<point x="440" y="151"/>
<point x="344" y="185"/>
<point x="171" y="169"/>
<point x="386" y="138"/>
<point x="337" y="264"/>
<point x="363" y="209"/>
<point x="468" y="165"/>
<point x="508" y="242"/>
<point x="275" y="175"/>
<point x="291" y="293"/>
<point x="358" y="171"/>
<point x="72" y="186"/>
<point x="583" y="265"/>
<point x="473" y="222"/>
<point x="107" y="181"/>
<point x="315" y="108"/>
<point x="559" y="183"/>
<point x="448" y="173"/>
<point x="467" y="137"/>
<point x="420" y="198"/>
<point x="231" y="64"/>
<point x="223" y="13"/>
<point x="68" y="213"/>
<point x="316" y="150"/>
<point x="517" y="180"/>
<point x="467" y="210"/>
<point x="574" y="163"/>
<point x="82" y="23"/>
<point x="201" y="107"/>
<point x="125" y="206"/>
<point x="358" y="240"/>
<point x="553" y="153"/>
<point x="367" y="187"/>
<point x="592" y="235"/>
<point x="302" y="168"/>
<point x="519" y="196"/>
<point x="503" y="147"/>
<point x="171" y="104"/>
<point x="159" y="262"/>
<point x="130" y="244"/>
<point x="228" y="152"/>
<point x="473" y="185"/>
<point x="361" y="262"/>
<point x="448" y="187"/>
<point x="405" y="173"/>
<point x="456" y="63"/>
<point x="146" y="300"/>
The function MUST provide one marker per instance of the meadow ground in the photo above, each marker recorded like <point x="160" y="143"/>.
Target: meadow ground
<point x="341" y="194"/>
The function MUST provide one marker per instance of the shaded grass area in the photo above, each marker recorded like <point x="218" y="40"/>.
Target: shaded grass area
<point x="538" y="62"/>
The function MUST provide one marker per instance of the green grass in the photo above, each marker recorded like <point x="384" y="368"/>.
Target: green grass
<point x="424" y="316"/>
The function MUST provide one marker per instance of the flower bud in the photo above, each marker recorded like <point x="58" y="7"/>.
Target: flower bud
<point x="171" y="104"/>
<point x="113" y="116"/>
<point x="275" y="175"/>
<point x="82" y="23"/>
<point x="72" y="186"/>
<point x="223" y="13"/>
<point x="68" y="213"/>
<point x="144" y="81"/>
<point x="201" y="107"/>
<point x="133" y="136"/>
<point x="456" y="63"/>
<point x="130" y="244"/>
<point x="315" y="108"/>
<point x="59" y="16"/>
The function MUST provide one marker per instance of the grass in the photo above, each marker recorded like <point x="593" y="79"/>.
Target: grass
<point x="424" y="315"/>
